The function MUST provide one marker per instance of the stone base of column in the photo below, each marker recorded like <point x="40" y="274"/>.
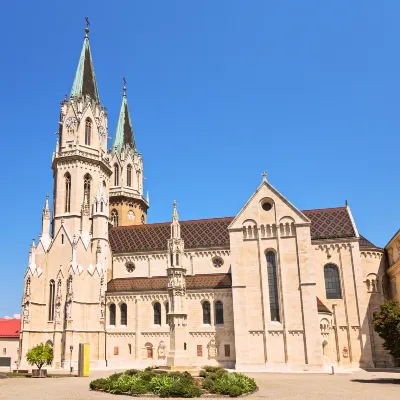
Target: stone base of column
<point x="178" y="358"/>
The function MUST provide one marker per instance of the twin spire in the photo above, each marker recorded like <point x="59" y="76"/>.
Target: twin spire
<point x="85" y="80"/>
<point x="124" y="136"/>
<point x="85" y="85"/>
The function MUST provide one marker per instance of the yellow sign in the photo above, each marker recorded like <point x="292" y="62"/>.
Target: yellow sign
<point x="84" y="359"/>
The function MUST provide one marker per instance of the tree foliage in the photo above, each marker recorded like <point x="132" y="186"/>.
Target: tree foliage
<point x="387" y="325"/>
<point x="40" y="355"/>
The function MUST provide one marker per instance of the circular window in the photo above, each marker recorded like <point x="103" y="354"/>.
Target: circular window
<point x="266" y="205"/>
<point x="130" y="267"/>
<point x="131" y="215"/>
<point x="218" y="262"/>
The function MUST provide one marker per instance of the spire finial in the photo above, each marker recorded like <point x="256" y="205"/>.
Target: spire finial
<point x="87" y="26"/>
<point x="347" y="203"/>
<point x="264" y="176"/>
<point x="175" y="212"/>
<point x="124" y="88"/>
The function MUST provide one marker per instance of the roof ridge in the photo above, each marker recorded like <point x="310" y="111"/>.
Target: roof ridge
<point x="169" y="222"/>
<point x="324" y="209"/>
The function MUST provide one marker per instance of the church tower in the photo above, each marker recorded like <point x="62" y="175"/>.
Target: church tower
<point x="127" y="204"/>
<point x="64" y="302"/>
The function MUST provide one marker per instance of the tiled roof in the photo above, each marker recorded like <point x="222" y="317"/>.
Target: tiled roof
<point x="196" y="234"/>
<point x="157" y="283"/>
<point x="330" y="223"/>
<point x="9" y="328"/>
<point x="326" y="223"/>
<point x="322" y="308"/>
<point x="364" y="242"/>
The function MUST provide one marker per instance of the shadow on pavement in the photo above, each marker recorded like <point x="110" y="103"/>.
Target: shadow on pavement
<point x="378" y="380"/>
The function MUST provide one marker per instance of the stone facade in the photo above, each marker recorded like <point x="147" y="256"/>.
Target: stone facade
<point x="273" y="288"/>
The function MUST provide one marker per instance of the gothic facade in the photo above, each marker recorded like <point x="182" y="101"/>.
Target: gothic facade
<point x="272" y="288"/>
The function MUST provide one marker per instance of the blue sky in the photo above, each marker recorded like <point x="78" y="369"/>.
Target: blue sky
<point x="219" y="91"/>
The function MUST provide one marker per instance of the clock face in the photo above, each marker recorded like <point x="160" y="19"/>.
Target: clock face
<point x="102" y="132"/>
<point x="71" y="124"/>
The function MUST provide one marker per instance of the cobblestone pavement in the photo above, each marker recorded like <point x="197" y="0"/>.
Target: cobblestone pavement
<point x="360" y="385"/>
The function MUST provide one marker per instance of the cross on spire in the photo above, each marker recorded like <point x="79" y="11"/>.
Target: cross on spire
<point x="264" y="176"/>
<point x="124" y="88"/>
<point x="87" y="26"/>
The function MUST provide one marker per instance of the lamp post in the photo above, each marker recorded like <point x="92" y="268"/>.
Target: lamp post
<point x="70" y="359"/>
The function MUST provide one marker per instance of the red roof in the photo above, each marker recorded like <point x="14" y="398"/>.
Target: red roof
<point x="196" y="234"/>
<point x="326" y="223"/>
<point x="201" y="281"/>
<point x="9" y="328"/>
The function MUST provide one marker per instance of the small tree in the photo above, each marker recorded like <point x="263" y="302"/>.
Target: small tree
<point x="40" y="355"/>
<point x="387" y="325"/>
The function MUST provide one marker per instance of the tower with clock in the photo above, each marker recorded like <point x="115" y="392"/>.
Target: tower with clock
<point x="127" y="204"/>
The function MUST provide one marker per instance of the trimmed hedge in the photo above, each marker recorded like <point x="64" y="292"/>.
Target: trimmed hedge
<point x="176" y="384"/>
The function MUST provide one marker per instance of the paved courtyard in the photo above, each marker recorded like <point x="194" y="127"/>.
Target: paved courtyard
<point x="360" y="385"/>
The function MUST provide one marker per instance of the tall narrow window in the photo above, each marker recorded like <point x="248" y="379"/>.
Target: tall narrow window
<point x="157" y="313"/>
<point x="273" y="286"/>
<point x="219" y="312"/>
<point x="206" y="313"/>
<point x="124" y="314"/>
<point x="129" y="175"/>
<point x="114" y="217"/>
<point x="332" y="282"/>
<point x="67" y="192"/>
<point x="88" y="132"/>
<point x="166" y="312"/>
<point x="112" y="314"/>
<point x="86" y="186"/>
<point x="51" y="300"/>
<point x="116" y="175"/>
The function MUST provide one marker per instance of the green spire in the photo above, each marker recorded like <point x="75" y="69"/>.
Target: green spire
<point x="124" y="133"/>
<point x="85" y="79"/>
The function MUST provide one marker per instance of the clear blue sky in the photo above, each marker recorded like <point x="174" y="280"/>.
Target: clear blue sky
<point x="219" y="91"/>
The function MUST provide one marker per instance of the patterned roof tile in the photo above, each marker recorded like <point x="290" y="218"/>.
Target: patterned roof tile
<point x="365" y="243"/>
<point x="330" y="223"/>
<point x="157" y="283"/>
<point x="327" y="223"/>
<point x="322" y="308"/>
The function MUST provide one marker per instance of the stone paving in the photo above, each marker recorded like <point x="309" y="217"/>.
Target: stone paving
<point x="359" y="385"/>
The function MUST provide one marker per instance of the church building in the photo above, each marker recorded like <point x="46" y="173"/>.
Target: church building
<point x="273" y="288"/>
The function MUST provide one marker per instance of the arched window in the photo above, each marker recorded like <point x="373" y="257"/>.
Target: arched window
<point x="88" y="132"/>
<point x="86" y="186"/>
<point x="273" y="286"/>
<point x="332" y="282"/>
<point x="67" y="192"/>
<point x="206" y="313"/>
<point x="51" y="300"/>
<point x="112" y="314"/>
<point x="114" y="217"/>
<point x="129" y="175"/>
<point x="116" y="175"/>
<point x="124" y="314"/>
<point x="157" y="313"/>
<point x="219" y="312"/>
<point x="166" y="312"/>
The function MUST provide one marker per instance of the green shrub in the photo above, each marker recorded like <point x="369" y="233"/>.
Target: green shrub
<point x="203" y="373"/>
<point x="122" y="384"/>
<point x="115" y="376"/>
<point x="161" y="384"/>
<point x="235" y="391"/>
<point x="98" y="384"/>
<point x="138" y="386"/>
<point x="147" y="375"/>
<point x="131" y="372"/>
<point x="208" y="383"/>
<point x="210" y="368"/>
<point x="234" y="384"/>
